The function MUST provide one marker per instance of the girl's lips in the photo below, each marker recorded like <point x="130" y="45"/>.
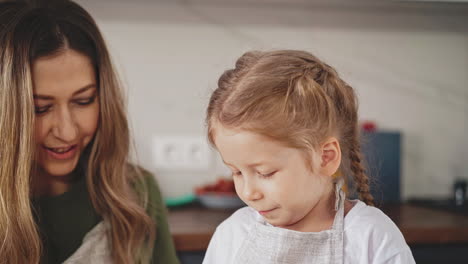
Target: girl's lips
<point x="266" y="212"/>
<point x="61" y="153"/>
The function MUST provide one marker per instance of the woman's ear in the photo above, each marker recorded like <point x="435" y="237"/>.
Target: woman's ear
<point x="330" y="159"/>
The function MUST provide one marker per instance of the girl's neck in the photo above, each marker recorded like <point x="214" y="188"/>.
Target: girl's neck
<point x="321" y="216"/>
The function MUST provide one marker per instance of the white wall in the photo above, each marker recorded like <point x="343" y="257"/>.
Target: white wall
<point x="408" y="62"/>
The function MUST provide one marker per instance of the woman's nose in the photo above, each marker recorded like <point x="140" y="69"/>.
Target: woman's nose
<point x="65" y="127"/>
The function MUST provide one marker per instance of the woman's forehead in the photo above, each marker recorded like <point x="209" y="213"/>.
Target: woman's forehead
<point x="66" y="73"/>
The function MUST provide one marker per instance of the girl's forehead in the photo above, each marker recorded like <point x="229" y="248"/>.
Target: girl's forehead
<point x="249" y="148"/>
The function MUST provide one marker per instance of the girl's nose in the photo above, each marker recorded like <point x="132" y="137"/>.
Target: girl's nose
<point x="250" y="190"/>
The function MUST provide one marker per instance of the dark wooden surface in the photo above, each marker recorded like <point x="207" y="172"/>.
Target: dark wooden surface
<point x="428" y="226"/>
<point x="193" y="226"/>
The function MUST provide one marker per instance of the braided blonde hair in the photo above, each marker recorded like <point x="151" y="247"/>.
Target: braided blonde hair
<point x="295" y="98"/>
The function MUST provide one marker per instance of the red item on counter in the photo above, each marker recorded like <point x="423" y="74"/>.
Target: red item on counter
<point x="369" y="126"/>
<point x="221" y="186"/>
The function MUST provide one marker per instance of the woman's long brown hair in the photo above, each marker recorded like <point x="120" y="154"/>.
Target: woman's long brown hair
<point x="30" y="30"/>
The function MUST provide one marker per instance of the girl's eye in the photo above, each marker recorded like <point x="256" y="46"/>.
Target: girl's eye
<point x="41" y="109"/>
<point x="85" y="101"/>
<point x="267" y="175"/>
<point x="236" y="173"/>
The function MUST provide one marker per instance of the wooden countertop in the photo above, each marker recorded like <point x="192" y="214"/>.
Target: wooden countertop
<point x="193" y="226"/>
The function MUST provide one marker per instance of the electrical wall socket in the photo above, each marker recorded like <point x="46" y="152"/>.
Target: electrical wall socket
<point x="181" y="152"/>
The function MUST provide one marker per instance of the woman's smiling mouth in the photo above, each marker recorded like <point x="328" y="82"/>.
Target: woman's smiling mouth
<point x="61" y="153"/>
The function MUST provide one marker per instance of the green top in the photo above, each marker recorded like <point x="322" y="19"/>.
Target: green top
<point x="64" y="220"/>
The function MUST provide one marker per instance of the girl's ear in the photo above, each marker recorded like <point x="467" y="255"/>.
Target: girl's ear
<point x="330" y="159"/>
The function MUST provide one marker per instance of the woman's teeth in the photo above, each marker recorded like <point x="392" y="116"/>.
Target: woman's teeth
<point x="60" y="150"/>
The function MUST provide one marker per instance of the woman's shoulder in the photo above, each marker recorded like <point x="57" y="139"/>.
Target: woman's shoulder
<point x="142" y="180"/>
<point x="369" y="233"/>
<point x="146" y="187"/>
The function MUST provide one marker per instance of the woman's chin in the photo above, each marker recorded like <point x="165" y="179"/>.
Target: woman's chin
<point x="59" y="170"/>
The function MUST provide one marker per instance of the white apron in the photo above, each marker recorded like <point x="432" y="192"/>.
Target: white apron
<point x="94" y="249"/>
<point x="266" y="244"/>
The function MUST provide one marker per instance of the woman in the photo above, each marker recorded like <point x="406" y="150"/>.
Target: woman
<point x="67" y="191"/>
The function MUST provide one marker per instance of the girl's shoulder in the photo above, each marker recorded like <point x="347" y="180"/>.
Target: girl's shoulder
<point x="364" y="217"/>
<point x="230" y="235"/>
<point x="370" y="234"/>
<point x="240" y="221"/>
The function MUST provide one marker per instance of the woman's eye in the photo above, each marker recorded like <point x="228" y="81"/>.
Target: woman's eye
<point x="41" y="109"/>
<point x="85" y="101"/>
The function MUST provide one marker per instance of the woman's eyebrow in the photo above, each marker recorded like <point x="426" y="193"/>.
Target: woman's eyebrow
<point x="81" y="90"/>
<point x="42" y="97"/>
<point x="87" y="87"/>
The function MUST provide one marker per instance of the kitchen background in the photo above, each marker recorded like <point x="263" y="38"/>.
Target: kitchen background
<point x="408" y="61"/>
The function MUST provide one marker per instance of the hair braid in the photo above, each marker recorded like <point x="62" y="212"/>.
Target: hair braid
<point x="360" y="177"/>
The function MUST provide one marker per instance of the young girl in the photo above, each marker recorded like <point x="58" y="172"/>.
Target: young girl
<point x="68" y="193"/>
<point x="285" y="123"/>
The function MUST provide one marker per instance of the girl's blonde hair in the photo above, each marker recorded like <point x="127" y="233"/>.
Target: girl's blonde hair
<point x="293" y="97"/>
<point x="28" y="31"/>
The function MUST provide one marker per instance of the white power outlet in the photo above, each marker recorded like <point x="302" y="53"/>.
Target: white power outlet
<point x="181" y="152"/>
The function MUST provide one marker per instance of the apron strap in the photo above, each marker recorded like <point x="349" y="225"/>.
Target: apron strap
<point x="339" y="205"/>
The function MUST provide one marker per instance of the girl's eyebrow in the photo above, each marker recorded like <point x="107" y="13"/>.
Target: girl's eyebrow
<point x="252" y="165"/>
<point x="81" y="90"/>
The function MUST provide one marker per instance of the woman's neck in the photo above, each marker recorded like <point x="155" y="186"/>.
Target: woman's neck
<point x="45" y="184"/>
